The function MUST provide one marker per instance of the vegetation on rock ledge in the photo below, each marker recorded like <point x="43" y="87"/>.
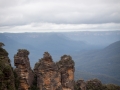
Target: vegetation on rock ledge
<point x="6" y="71"/>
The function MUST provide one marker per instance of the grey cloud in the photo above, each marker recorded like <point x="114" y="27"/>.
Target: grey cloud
<point x="24" y="12"/>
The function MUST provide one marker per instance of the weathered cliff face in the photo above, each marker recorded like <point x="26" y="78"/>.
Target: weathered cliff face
<point x="23" y="69"/>
<point x="48" y="76"/>
<point x="6" y="71"/>
<point x="66" y="68"/>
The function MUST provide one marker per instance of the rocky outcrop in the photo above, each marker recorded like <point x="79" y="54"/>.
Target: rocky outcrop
<point x="55" y="76"/>
<point x="48" y="75"/>
<point x="6" y="71"/>
<point x="94" y="84"/>
<point x="66" y="68"/>
<point x="81" y="85"/>
<point x="23" y="69"/>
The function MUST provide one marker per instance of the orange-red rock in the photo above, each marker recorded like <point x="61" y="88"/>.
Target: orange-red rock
<point x="23" y="69"/>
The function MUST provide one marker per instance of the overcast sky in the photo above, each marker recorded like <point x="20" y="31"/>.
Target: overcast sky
<point x="59" y="15"/>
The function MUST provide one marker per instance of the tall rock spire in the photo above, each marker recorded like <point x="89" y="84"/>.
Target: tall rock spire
<point x="66" y="68"/>
<point x="48" y="76"/>
<point x="23" y="69"/>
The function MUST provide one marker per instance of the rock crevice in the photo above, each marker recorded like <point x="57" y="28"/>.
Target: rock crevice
<point x="55" y="76"/>
<point x="49" y="77"/>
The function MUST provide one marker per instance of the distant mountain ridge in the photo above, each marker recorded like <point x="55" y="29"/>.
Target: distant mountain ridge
<point x="99" y="61"/>
<point x="35" y="42"/>
<point x="105" y="61"/>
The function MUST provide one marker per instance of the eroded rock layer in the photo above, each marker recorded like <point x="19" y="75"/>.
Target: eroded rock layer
<point x="66" y="68"/>
<point x="48" y="75"/>
<point x="23" y="69"/>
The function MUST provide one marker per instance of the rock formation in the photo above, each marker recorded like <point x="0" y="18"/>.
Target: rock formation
<point x="23" y="69"/>
<point x="94" y="84"/>
<point x="6" y="71"/>
<point x="66" y="68"/>
<point x="81" y="85"/>
<point x="48" y="76"/>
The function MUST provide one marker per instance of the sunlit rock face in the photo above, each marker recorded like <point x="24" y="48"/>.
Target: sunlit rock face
<point x="48" y="76"/>
<point x="23" y="69"/>
<point x="66" y="68"/>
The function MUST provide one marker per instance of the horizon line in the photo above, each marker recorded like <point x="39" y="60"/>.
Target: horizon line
<point x="58" y="31"/>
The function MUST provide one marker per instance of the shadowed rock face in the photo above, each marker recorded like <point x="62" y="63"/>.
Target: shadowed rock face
<point x="66" y="68"/>
<point x="95" y="84"/>
<point x="81" y="85"/>
<point x="6" y="71"/>
<point x="23" y="69"/>
<point x="48" y="76"/>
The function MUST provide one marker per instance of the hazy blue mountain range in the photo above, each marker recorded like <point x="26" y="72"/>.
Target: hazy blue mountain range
<point x="96" y="54"/>
<point x="102" y="38"/>
<point x="104" y="63"/>
<point x="37" y="43"/>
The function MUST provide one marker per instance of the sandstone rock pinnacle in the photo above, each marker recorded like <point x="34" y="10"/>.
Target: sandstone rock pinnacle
<point x="23" y="69"/>
<point x="66" y="68"/>
<point x="48" y="76"/>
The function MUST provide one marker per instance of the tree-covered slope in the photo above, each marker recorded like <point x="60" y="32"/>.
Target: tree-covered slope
<point x="6" y="71"/>
<point x="101" y="62"/>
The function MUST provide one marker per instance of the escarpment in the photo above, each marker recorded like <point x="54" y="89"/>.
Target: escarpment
<point x="23" y="69"/>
